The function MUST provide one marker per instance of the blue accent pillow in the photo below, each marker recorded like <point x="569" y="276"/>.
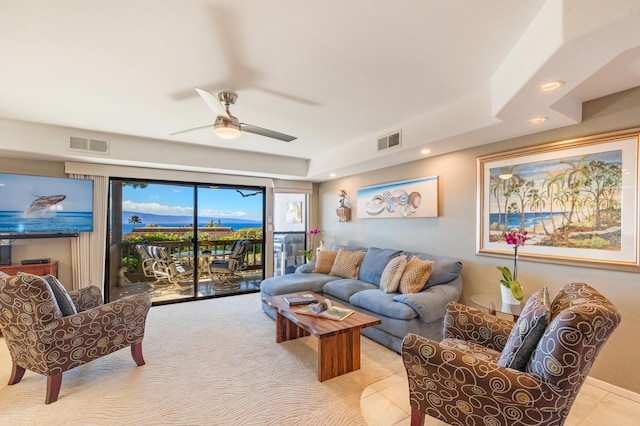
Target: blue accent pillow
<point x="527" y="331"/>
<point x="374" y="262"/>
<point x="61" y="295"/>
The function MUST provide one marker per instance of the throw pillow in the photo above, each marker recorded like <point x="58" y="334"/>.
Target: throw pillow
<point x="415" y="275"/>
<point x="374" y="263"/>
<point x="392" y="273"/>
<point x="66" y="305"/>
<point x="324" y="261"/>
<point x="347" y="264"/>
<point x="527" y="331"/>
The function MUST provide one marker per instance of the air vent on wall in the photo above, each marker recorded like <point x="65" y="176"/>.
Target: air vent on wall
<point x="389" y="141"/>
<point x="95" y="146"/>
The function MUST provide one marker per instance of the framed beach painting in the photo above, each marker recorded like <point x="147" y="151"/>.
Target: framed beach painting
<point x="402" y="199"/>
<point x="577" y="200"/>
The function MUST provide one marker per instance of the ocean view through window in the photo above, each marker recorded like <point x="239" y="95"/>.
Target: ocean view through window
<point x="164" y="238"/>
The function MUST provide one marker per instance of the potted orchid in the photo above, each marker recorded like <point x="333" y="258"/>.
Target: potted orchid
<point x="312" y="237"/>
<point x="509" y="281"/>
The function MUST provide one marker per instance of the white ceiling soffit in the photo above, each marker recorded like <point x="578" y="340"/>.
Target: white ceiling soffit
<point x="451" y="74"/>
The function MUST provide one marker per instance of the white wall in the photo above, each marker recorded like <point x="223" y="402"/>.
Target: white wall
<point x="453" y="232"/>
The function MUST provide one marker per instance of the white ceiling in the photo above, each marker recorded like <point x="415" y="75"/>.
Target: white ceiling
<point x="337" y="74"/>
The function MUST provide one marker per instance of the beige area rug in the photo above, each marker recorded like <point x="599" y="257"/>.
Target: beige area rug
<point x="210" y="362"/>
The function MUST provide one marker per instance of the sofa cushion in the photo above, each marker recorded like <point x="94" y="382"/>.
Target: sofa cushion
<point x="445" y="269"/>
<point x="527" y="331"/>
<point x="392" y="273"/>
<point x="324" y="261"/>
<point x="343" y="289"/>
<point x="347" y="264"/>
<point x="61" y="295"/>
<point x="415" y="275"/>
<point x="374" y="262"/>
<point x="379" y="302"/>
<point x="292" y="283"/>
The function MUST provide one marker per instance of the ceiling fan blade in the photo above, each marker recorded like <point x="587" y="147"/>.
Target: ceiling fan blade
<point x="212" y="101"/>
<point x="189" y="130"/>
<point x="266" y="132"/>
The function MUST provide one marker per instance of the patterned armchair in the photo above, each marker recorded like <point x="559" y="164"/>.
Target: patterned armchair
<point x="42" y="339"/>
<point x="463" y="380"/>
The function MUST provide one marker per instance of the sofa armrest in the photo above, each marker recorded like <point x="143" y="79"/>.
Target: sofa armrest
<point x="464" y="387"/>
<point x="86" y="298"/>
<point x="473" y="325"/>
<point x="306" y="268"/>
<point x="431" y="303"/>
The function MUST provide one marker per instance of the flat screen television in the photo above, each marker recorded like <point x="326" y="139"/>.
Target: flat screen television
<point x="43" y="206"/>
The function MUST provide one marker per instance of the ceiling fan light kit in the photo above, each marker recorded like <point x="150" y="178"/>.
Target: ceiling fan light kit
<point x="227" y="128"/>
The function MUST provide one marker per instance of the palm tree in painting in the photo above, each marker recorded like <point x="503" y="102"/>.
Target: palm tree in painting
<point x="537" y="203"/>
<point x="552" y="185"/>
<point x="574" y="178"/>
<point x="520" y="190"/>
<point x="495" y="186"/>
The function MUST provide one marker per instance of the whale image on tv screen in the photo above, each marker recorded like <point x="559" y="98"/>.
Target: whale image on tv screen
<point x="41" y="204"/>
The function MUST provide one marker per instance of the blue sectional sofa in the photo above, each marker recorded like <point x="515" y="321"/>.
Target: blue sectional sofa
<point x="420" y="313"/>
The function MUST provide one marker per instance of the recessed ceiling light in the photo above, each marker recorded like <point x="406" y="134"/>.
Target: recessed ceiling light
<point x="552" y="85"/>
<point x="332" y="175"/>
<point x="425" y="151"/>
<point x="538" y="120"/>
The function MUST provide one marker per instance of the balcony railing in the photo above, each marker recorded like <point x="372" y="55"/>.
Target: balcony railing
<point x="132" y="261"/>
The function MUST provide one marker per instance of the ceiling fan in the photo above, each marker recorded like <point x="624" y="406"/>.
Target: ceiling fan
<point x="226" y="125"/>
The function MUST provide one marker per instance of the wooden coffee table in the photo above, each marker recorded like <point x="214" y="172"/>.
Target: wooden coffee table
<point x="338" y="341"/>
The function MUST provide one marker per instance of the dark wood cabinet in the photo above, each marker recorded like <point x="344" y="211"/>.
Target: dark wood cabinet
<point x="35" y="269"/>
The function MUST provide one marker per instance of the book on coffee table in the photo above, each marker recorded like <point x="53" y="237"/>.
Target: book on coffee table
<point x="325" y="310"/>
<point x="303" y="299"/>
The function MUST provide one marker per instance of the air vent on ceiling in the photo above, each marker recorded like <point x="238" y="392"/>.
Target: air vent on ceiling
<point x="95" y="146"/>
<point x="389" y="141"/>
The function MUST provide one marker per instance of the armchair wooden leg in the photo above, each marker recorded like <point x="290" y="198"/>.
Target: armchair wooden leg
<point x="16" y="374"/>
<point x="136" y="353"/>
<point x="417" y="417"/>
<point x="53" y="388"/>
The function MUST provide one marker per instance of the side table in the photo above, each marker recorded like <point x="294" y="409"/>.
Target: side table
<point x="32" y="268"/>
<point x="493" y="302"/>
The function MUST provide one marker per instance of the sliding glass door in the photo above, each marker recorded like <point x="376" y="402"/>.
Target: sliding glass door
<point x="176" y="240"/>
<point x="289" y="237"/>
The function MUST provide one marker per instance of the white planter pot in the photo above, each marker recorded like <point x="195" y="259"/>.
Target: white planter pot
<point x="507" y="296"/>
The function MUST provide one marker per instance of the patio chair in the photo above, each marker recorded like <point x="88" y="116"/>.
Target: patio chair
<point x="158" y="264"/>
<point x="226" y="270"/>
<point x="147" y="260"/>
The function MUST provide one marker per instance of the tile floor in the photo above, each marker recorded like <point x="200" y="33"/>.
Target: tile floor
<point x="386" y="403"/>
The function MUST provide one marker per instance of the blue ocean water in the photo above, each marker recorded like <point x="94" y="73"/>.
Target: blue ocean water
<point x="530" y="219"/>
<point x="127" y="227"/>
<point x="60" y="221"/>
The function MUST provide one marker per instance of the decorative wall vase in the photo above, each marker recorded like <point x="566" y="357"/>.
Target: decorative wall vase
<point x="344" y="214"/>
<point x="507" y="296"/>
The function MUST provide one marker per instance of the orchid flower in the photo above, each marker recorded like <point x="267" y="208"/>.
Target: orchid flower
<point x="516" y="239"/>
